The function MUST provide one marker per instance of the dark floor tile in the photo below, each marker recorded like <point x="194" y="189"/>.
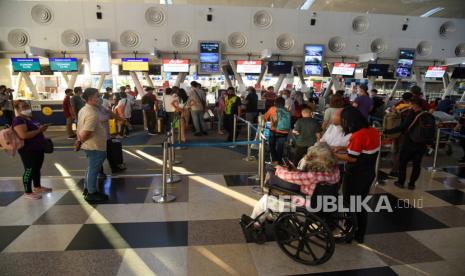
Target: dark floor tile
<point x="454" y="197"/>
<point x="89" y="262"/>
<point x="450" y="182"/>
<point x="9" y="233"/>
<point x="64" y="214"/>
<point x="239" y="180"/>
<point x="450" y="215"/>
<point x="207" y="232"/>
<point x="8" y="197"/>
<point x="400" y="248"/>
<point x="378" y="271"/>
<point x="68" y="199"/>
<point x="130" y="235"/>
<point x="400" y="220"/>
<point x="456" y="170"/>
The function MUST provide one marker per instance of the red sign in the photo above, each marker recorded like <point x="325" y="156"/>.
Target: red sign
<point x="435" y="71"/>
<point x="176" y="65"/>
<point x="249" y="66"/>
<point x="344" y="69"/>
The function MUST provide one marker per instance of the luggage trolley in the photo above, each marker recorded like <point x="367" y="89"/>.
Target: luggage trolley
<point x="445" y="121"/>
<point x="306" y="237"/>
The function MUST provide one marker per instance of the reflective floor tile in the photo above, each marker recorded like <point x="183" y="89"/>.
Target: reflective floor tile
<point x="451" y="182"/>
<point x="126" y="235"/>
<point x="443" y="268"/>
<point x="449" y="215"/>
<point x="448" y="243"/>
<point x="179" y="189"/>
<point x="378" y="271"/>
<point x="239" y="180"/>
<point x="7" y="197"/>
<point x="73" y="263"/>
<point x="44" y="238"/>
<point x="455" y="197"/>
<point x="403" y="218"/>
<point x="159" y="261"/>
<point x="456" y="170"/>
<point x="230" y="259"/>
<point x="207" y="232"/>
<point x="399" y="248"/>
<point x="419" y="199"/>
<point x="270" y="260"/>
<point x="9" y="234"/>
<point x="66" y="214"/>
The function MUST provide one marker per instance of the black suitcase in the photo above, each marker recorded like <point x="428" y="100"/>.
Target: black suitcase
<point x="115" y="155"/>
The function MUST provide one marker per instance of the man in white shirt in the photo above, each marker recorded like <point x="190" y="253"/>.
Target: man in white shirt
<point x="197" y="103"/>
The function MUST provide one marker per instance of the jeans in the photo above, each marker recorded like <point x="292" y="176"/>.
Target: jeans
<point x="151" y="119"/>
<point x="409" y="153"/>
<point x="199" y="123"/>
<point x="95" y="159"/>
<point x="276" y="143"/>
<point x="32" y="162"/>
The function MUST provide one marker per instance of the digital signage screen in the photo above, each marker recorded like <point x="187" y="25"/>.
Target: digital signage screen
<point x="63" y="64"/>
<point x="25" y="64"/>
<point x="405" y="63"/>
<point x="279" y="67"/>
<point x="313" y="60"/>
<point x="99" y="54"/>
<point x="135" y="64"/>
<point x="435" y="71"/>
<point x="377" y="70"/>
<point x="343" y="69"/>
<point x="209" y="57"/>
<point x="176" y="65"/>
<point x="249" y="66"/>
<point x="459" y="73"/>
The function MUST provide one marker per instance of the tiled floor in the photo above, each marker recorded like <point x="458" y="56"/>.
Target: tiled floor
<point x="199" y="233"/>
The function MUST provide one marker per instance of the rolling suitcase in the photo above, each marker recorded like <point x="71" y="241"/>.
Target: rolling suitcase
<point x="115" y="155"/>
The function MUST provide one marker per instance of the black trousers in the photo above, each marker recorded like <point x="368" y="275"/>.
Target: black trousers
<point x="8" y="114"/>
<point x="300" y="152"/>
<point x="150" y="117"/>
<point x="228" y="120"/>
<point x="414" y="153"/>
<point x="462" y="144"/>
<point x="357" y="182"/>
<point x="32" y="162"/>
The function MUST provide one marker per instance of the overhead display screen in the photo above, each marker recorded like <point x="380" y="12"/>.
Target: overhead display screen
<point x="135" y="64"/>
<point x="99" y="54"/>
<point x="209" y="57"/>
<point x="25" y="64"/>
<point x="249" y="66"/>
<point x="459" y="73"/>
<point x="63" y="64"/>
<point x="176" y="65"/>
<point x="405" y="63"/>
<point x="435" y="71"/>
<point x="377" y="70"/>
<point x="279" y="67"/>
<point x="343" y="69"/>
<point x="313" y="63"/>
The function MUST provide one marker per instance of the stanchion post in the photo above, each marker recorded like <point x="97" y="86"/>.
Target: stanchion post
<point x="173" y="153"/>
<point x="436" y="148"/>
<point x="259" y="135"/>
<point x="164" y="196"/>
<point x="378" y="161"/>
<point x="172" y="178"/>
<point x="249" y="156"/>
<point x="262" y="164"/>
<point x="234" y="128"/>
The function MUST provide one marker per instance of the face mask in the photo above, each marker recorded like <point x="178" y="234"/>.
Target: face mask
<point x="27" y="112"/>
<point x="285" y="97"/>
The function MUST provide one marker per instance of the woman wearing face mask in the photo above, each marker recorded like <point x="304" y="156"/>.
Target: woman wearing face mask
<point x="32" y="154"/>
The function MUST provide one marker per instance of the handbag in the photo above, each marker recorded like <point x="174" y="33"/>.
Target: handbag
<point x="48" y="146"/>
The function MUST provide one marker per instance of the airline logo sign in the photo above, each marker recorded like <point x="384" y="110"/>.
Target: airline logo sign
<point x="435" y="71"/>
<point x="345" y="69"/>
<point x="176" y="65"/>
<point x="249" y="66"/>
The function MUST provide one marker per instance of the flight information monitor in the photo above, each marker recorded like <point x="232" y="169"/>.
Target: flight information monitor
<point x="25" y="64"/>
<point x="63" y="64"/>
<point x="209" y="57"/>
<point x="343" y="69"/>
<point x="313" y="63"/>
<point x="435" y="71"/>
<point x="377" y="70"/>
<point x="135" y="64"/>
<point x="99" y="53"/>
<point x="249" y="66"/>
<point x="405" y="63"/>
<point x="176" y="65"/>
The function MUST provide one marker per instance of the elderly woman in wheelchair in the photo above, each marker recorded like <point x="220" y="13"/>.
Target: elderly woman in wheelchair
<point x="307" y="237"/>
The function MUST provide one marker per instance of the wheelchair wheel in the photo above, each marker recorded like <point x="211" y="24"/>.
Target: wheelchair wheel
<point x="343" y="226"/>
<point x="304" y="237"/>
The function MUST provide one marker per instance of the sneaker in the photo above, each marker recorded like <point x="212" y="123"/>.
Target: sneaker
<point x="393" y="174"/>
<point x="205" y="133"/>
<point x="397" y="184"/>
<point x="220" y="133"/>
<point x="197" y="134"/>
<point x="411" y="186"/>
<point x="33" y="196"/>
<point x="96" y="197"/>
<point x="152" y="134"/>
<point x="85" y="192"/>
<point x="42" y="190"/>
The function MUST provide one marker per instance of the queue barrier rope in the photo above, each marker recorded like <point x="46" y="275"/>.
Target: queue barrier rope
<point x="211" y="145"/>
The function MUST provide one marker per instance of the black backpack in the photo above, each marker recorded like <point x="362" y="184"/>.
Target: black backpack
<point x="423" y="129"/>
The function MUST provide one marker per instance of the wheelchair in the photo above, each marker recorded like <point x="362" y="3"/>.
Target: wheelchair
<point x="306" y="237"/>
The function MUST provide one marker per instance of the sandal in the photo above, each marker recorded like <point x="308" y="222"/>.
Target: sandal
<point x="32" y="196"/>
<point x="42" y="190"/>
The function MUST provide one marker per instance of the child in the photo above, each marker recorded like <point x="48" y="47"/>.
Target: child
<point x="307" y="131"/>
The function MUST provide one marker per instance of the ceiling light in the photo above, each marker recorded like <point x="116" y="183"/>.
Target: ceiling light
<point x="307" y="4"/>
<point x="431" y="12"/>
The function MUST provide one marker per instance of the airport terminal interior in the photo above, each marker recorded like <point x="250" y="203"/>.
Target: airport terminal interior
<point x="188" y="137"/>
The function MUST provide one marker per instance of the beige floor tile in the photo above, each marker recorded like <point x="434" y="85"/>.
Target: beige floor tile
<point x="270" y="260"/>
<point x="419" y="198"/>
<point x="159" y="261"/>
<point x="44" y="238"/>
<point x="442" y="268"/>
<point x="448" y="243"/>
<point x="231" y="259"/>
